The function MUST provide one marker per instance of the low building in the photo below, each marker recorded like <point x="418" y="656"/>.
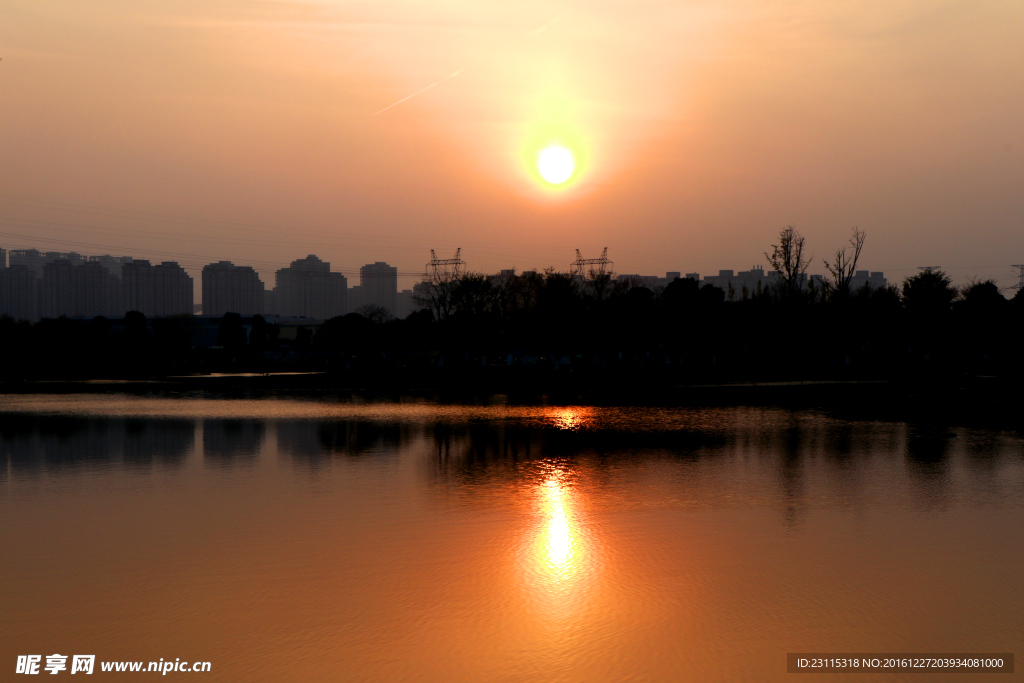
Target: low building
<point x="871" y="280"/>
<point x="744" y="284"/>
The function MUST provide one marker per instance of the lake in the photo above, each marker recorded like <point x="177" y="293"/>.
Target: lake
<point x="306" y="540"/>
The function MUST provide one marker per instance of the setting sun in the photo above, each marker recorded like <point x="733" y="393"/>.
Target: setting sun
<point x="556" y="164"/>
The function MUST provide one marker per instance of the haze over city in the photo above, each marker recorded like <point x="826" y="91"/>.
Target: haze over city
<point x="366" y="132"/>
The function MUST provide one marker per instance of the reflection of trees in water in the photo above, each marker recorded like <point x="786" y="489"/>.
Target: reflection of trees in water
<point x="983" y="448"/>
<point x="475" y="452"/>
<point x="35" y="443"/>
<point x="927" y="458"/>
<point x="794" y="458"/>
<point x="232" y="442"/>
<point x="311" y="441"/>
<point x="797" y="460"/>
<point x="791" y="470"/>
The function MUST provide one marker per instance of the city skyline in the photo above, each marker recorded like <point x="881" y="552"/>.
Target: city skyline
<point x="37" y="284"/>
<point x="1003" y="274"/>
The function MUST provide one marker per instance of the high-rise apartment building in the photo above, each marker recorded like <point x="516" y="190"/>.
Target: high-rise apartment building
<point x="378" y="283"/>
<point x="72" y="257"/>
<point x="78" y="291"/>
<point x="52" y="284"/>
<point x="308" y="288"/>
<point x="172" y="290"/>
<point x="137" y="286"/>
<point x="32" y="259"/>
<point x="156" y="291"/>
<point x="57" y="290"/>
<point x="19" y="293"/>
<point x="228" y="288"/>
<point x="113" y="264"/>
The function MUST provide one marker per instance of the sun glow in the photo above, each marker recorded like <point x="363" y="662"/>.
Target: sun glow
<point x="556" y="142"/>
<point x="556" y="164"/>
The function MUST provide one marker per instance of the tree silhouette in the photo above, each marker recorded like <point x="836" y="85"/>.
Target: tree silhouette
<point x="435" y="292"/>
<point x="374" y="313"/>
<point x="787" y="259"/>
<point x="843" y="266"/>
<point x="983" y="299"/>
<point x="231" y="334"/>
<point x="259" y="335"/>
<point x="474" y="295"/>
<point x="137" y="343"/>
<point x="929" y="293"/>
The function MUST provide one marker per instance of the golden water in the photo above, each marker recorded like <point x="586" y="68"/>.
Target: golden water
<point x="295" y="540"/>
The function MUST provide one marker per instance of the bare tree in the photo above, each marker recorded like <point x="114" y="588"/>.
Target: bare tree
<point x="599" y="284"/>
<point x="787" y="259"/>
<point x="374" y="313"/>
<point x="436" y="292"/>
<point x="844" y="265"/>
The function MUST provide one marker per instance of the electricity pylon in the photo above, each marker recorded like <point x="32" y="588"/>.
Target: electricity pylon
<point x="445" y="268"/>
<point x="579" y="266"/>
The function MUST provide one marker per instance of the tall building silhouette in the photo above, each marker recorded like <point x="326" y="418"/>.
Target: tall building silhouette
<point x="378" y="283"/>
<point x="19" y="295"/>
<point x="78" y="291"/>
<point x="51" y="284"/>
<point x="72" y="257"/>
<point x="112" y="264"/>
<point x="32" y="259"/>
<point x="57" y="290"/>
<point x="172" y="290"/>
<point x="308" y="288"/>
<point x="228" y="288"/>
<point x="156" y="291"/>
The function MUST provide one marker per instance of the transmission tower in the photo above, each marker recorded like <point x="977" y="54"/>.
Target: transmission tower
<point x="1020" y="271"/>
<point x="444" y="268"/>
<point x="928" y="269"/>
<point x="579" y="266"/>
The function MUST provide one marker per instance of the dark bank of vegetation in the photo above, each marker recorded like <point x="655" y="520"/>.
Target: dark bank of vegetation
<point x="589" y="331"/>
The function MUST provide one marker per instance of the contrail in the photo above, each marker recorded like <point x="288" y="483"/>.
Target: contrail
<point x="395" y="104"/>
<point x="540" y="29"/>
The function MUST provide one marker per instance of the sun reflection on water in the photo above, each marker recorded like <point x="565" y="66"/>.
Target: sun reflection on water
<point x="559" y="541"/>
<point x="559" y="560"/>
<point x="572" y="418"/>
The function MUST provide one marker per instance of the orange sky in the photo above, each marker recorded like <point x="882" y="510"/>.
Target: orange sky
<point x="198" y="131"/>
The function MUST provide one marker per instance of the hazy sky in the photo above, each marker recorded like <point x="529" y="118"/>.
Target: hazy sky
<point x="250" y="131"/>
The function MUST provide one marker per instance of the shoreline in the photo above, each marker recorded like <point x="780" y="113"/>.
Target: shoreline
<point x="986" y="400"/>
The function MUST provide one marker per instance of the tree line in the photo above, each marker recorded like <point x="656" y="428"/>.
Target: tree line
<point x="582" y="327"/>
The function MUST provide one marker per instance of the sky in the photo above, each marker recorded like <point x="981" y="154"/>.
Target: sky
<point x="260" y="132"/>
